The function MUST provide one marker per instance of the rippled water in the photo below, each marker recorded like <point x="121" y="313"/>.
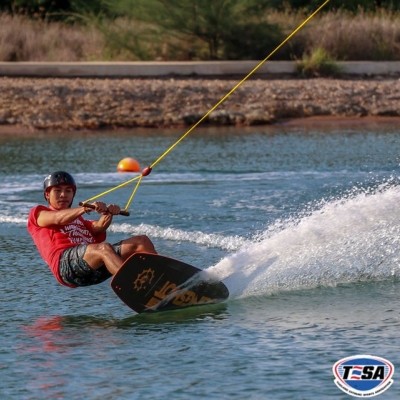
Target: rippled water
<point x="302" y="225"/>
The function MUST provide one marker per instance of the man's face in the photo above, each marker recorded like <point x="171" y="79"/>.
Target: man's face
<point x="60" y="197"/>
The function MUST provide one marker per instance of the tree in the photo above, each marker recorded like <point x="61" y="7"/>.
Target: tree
<point x="231" y="29"/>
<point x="50" y="9"/>
<point x="35" y="8"/>
<point x="352" y="5"/>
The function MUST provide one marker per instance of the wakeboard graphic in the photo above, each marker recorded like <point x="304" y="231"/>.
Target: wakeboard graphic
<point x="151" y="282"/>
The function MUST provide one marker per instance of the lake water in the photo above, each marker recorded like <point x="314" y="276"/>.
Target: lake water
<point x="301" y="223"/>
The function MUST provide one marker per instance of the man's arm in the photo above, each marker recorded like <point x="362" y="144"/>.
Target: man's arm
<point x="62" y="217"/>
<point x="105" y="220"/>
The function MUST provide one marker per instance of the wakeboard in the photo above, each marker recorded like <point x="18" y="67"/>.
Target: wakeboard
<point x="151" y="282"/>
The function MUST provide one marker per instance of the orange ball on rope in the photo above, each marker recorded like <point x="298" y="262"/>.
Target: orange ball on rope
<point x="128" y="164"/>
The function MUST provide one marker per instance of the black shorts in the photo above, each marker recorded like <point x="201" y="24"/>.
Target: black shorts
<point x="74" y="270"/>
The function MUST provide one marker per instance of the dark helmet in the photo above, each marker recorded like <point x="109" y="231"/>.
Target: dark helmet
<point x="58" y="178"/>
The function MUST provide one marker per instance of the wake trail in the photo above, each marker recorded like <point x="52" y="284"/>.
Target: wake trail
<point x="355" y="238"/>
<point x="230" y="243"/>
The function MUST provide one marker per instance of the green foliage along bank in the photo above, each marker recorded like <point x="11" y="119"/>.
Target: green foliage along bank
<point x="135" y="30"/>
<point x="49" y="8"/>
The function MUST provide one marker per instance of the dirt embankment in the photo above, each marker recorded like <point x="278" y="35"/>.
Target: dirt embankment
<point x="82" y="104"/>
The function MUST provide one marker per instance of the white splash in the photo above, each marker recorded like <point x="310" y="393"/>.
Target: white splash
<point x="352" y="239"/>
<point x="230" y="243"/>
<point x="8" y="219"/>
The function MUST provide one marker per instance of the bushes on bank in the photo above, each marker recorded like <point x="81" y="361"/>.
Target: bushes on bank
<point x="318" y="63"/>
<point x="219" y="30"/>
<point x="22" y="39"/>
<point x="57" y="9"/>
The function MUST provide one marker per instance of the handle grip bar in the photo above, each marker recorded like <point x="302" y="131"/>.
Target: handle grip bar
<point x="88" y="205"/>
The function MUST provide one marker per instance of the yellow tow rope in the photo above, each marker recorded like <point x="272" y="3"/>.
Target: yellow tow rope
<point x="146" y="171"/>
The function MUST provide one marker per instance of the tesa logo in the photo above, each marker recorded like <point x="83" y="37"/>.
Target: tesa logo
<point x="363" y="376"/>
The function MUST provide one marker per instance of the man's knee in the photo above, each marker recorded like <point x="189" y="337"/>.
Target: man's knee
<point x="140" y="243"/>
<point x="101" y="248"/>
<point x="98" y="251"/>
<point x="98" y="254"/>
<point x="143" y="241"/>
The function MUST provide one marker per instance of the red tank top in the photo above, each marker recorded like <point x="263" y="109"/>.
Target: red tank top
<point x="52" y="241"/>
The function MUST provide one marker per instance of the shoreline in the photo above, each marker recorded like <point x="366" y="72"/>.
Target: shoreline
<point x="349" y="121"/>
<point x="32" y="105"/>
<point x="317" y="121"/>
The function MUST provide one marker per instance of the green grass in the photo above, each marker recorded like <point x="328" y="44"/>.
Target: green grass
<point x="318" y="63"/>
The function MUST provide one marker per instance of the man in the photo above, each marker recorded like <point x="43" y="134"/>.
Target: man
<point x="75" y="248"/>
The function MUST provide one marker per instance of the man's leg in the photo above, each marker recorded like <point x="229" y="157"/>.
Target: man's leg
<point x="74" y="270"/>
<point x="98" y="254"/>
<point x="136" y="244"/>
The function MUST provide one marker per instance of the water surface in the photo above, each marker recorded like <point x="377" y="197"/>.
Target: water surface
<point x="301" y="223"/>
